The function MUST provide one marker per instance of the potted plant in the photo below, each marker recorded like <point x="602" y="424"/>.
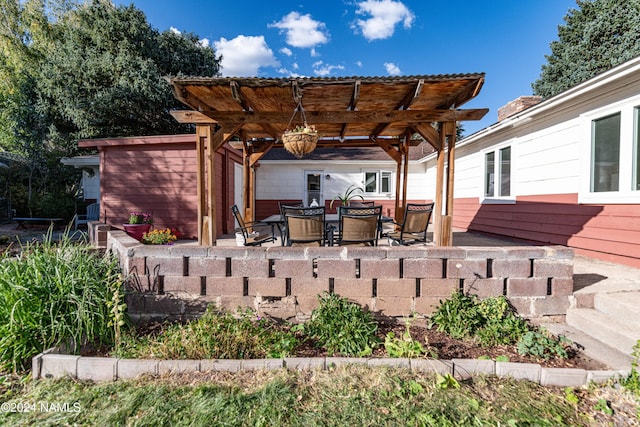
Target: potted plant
<point x="349" y="194"/>
<point x="300" y="140"/>
<point x="138" y="225"/>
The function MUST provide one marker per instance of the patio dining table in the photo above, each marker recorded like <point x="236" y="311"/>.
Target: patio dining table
<point x="278" y="221"/>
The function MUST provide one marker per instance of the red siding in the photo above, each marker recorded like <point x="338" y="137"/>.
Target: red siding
<point x="608" y="232"/>
<point x="158" y="175"/>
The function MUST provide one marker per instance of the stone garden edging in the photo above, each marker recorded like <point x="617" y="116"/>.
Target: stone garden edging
<point x="50" y="364"/>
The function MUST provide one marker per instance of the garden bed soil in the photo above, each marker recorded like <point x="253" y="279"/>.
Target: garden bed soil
<point x="445" y="346"/>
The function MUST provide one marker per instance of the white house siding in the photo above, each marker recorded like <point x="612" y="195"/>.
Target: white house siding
<point x="284" y="181"/>
<point x="550" y="200"/>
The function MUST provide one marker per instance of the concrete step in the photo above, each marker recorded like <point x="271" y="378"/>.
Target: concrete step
<point x="621" y="305"/>
<point x="596" y="350"/>
<point x="621" y="334"/>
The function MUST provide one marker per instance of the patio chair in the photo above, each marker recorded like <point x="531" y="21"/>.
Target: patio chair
<point x="283" y="227"/>
<point x="251" y="237"/>
<point x="358" y="225"/>
<point x="363" y="203"/>
<point x="305" y="225"/>
<point x="413" y="227"/>
<point x="93" y="214"/>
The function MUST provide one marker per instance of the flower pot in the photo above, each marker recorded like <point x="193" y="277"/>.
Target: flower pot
<point x="136" y="230"/>
<point x="300" y="143"/>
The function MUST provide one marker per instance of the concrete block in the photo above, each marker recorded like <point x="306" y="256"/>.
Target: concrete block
<point x="561" y="286"/>
<point x="406" y="252"/>
<point x="305" y="305"/>
<point x="298" y="268"/>
<point x="286" y="253"/>
<point x="243" y="267"/>
<point x="559" y="252"/>
<point x="224" y="286"/>
<point x="222" y="365"/>
<point x="485" y="253"/>
<point x="422" y="268"/>
<point x="212" y="267"/>
<point x="366" y="252"/>
<point x="484" y="288"/>
<point x="446" y="252"/>
<point x="326" y="252"/>
<point x="524" y="252"/>
<point x="97" y="368"/>
<point x="165" y="266"/>
<point x="188" y="284"/>
<point x="334" y="362"/>
<point x="601" y="377"/>
<point x="302" y="363"/>
<point x="394" y="306"/>
<point x="339" y="269"/>
<point x="396" y="288"/>
<point x="267" y="286"/>
<point x="438" y="287"/>
<point x="137" y="265"/>
<point x="513" y="268"/>
<point x="552" y="268"/>
<point x="260" y="364"/>
<point x="59" y="365"/>
<point x="426" y="305"/>
<point x="519" y="371"/>
<point x="379" y="268"/>
<point x="441" y="367"/>
<point x="132" y="368"/>
<point x="550" y="306"/>
<point x="563" y="377"/>
<point x="390" y="362"/>
<point x="309" y="287"/>
<point x="353" y="288"/>
<point x="466" y="268"/>
<point x="232" y="303"/>
<point x="531" y="287"/>
<point x="178" y="366"/>
<point x="466" y="368"/>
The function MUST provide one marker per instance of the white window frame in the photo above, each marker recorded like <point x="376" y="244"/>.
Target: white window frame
<point x="625" y="193"/>
<point x="495" y="198"/>
<point x="378" y="173"/>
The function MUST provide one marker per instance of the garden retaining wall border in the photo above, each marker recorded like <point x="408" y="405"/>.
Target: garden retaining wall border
<point x="180" y="281"/>
<point x="50" y="364"/>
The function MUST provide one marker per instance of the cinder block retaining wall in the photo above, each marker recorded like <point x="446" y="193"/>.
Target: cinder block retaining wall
<point x="52" y="365"/>
<point x="181" y="280"/>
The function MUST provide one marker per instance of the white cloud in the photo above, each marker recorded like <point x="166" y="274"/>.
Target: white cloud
<point x="174" y="30"/>
<point x="359" y="64"/>
<point x="314" y="53"/>
<point x="392" y="69"/>
<point x="295" y="65"/>
<point x="204" y="42"/>
<point x="302" y="30"/>
<point x="244" y="55"/>
<point x="286" y="51"/>
<point x="321" y="69"/>
<point x="384" y="16"/>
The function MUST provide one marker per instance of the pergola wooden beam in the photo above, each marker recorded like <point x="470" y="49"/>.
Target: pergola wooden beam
<point x="328" y="117"/>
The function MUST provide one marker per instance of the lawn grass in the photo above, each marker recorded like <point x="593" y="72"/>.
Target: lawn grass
<point x="350" y="395"/>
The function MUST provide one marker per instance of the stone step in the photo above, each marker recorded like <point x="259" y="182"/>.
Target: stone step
<point x="620" y="305"/>
<point x="596" y="350"/>
<point x="613" y="331"/>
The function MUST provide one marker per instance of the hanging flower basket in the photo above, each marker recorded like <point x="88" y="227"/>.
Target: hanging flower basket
<point x="300" y="141"/>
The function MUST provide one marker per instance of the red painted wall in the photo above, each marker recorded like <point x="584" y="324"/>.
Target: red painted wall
<point x="607" y="232"/>
<point x="157" y="174"/>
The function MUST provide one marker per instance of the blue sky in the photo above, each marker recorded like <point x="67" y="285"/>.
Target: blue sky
<point x="505" y="39"/>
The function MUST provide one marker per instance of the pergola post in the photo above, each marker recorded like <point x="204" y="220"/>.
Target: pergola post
<point x="437" y="210"/>
<point x="450" y="135"/>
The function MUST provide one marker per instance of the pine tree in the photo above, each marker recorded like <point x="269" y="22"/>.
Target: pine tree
<point x="597" y="36"/>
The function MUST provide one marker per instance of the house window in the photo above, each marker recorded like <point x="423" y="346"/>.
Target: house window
<point x="377" y="182"/>
<point x="605" y="153"/>
<point x="497" y="175"/>
<point x="636" y="149"/>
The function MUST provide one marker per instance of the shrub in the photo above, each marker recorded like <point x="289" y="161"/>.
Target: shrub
<point x="341" y="326"/>
<point x="540" y="344"/>
<point x="490" y="321"/>
<point x="215" y="335"/>
<point x="406" y="346"/>
<point x="55" y="294"/>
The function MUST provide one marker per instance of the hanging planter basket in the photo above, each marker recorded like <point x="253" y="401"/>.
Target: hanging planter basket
<point x="300" y="141"/>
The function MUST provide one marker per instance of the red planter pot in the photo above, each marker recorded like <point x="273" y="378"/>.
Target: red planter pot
<point x="137" y="230"/>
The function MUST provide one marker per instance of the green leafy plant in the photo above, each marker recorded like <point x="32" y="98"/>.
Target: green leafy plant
<point x="542" y="345"/>
<point x="446" y="381"/>
<point x="490" y="321"/>
<point x="341" y="326"/>
<point x="571" y="396"/>
<point x="405" y="345"/>
<point x="140" y="218"/>
<point x="56" y="294"/>
<point x="349" y="194"/>
<point x="632" y="380"/>
<point x="604" y="407"/>
<point x="217" y="334"/>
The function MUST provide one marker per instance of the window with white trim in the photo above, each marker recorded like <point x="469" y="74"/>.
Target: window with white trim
<point x="636" y="149"/>
<point x="605" y="154"/>
<point x="377" y="182"/>
<point x="497" y="174"/>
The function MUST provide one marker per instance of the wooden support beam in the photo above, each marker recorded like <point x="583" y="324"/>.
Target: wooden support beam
<point x="320" y="117"/>
<point x="437" y="213"/>
<point x="191" y="117"/>
<point x="404" y="148"/>
<point x="211" y="231"/>
<point x="392" y="151"/>
<point x="447" y="231"/>
<point x="429" y="134"/>
<point x="201" y="136"/>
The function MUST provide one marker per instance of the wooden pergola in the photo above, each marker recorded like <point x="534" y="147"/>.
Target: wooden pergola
<point x="385" y="112"/>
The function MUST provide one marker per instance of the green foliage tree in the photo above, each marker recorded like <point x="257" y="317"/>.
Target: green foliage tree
<point x="71" y="70"/>
<point x="597" y="36"/>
